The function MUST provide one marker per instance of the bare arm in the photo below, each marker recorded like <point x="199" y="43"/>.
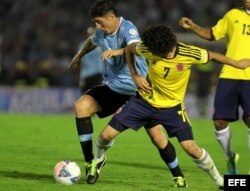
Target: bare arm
<point x="241" y="64"/>
<point x="130" y="53"/>
<point x="205" y="33"/>
<point x="140" y="81"/>
<point x="87" y="47"/>
<point x="110" y="53"/>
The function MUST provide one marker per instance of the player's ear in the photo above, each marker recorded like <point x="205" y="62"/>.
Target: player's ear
<point x="110" y="15"/>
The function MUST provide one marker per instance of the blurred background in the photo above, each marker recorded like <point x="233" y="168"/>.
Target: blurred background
<point x="38" y="38"/>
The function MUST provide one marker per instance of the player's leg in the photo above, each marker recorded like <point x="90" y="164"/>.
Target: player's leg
<point x="226" y="109"/>
<point x="123" y="118"/>
<point x="202" y="158"/>
<point x="103" y="143"/>
<point x="85" y="107"/>
<point x="167" y="152"/>
<point x="96" y="100"/>
<point x="176" y="123"/>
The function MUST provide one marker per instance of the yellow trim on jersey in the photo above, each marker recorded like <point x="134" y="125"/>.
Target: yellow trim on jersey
<point x="169" y="77"/>
<point x="235" y="26"/>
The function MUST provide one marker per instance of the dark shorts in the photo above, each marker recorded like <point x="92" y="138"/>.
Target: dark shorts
<point x="231" y="94"/>
<point x="136" y="113"/>
<point x="90" y="82"/>
<point x="109" y="100"/>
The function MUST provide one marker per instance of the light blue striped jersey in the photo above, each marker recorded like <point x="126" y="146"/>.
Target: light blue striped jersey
<point x="116" y="73"/>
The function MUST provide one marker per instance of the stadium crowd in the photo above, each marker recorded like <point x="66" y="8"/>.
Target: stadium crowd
<point x="38" y="38"/>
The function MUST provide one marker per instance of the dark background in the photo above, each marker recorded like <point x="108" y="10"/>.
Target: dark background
<point x="38" y="38"/>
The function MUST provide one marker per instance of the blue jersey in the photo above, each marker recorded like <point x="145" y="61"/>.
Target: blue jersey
<point x="116" y="73"/>
<point x="92" y="63"/>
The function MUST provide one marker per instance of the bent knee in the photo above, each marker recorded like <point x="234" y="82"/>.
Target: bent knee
<point x="220" y="124"/>
<point x="85" y="106"/>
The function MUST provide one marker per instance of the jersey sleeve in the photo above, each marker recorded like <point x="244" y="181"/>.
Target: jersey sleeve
<point x="199" y="55"/>
<point x="131" y="34"/>
<point x="189" y="54"/>
<point x="221" y="27"/>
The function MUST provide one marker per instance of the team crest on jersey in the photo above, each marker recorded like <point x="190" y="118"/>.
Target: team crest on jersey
<point x="204" y="55"/>
<point x="180" y="67"/>
<point x="133" y="32"/>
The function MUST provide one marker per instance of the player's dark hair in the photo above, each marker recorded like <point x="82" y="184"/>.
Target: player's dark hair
<point x="159" y="39"/>
<point x="100" y="8"/>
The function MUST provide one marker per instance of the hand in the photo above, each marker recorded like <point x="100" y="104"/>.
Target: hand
<point x="243" y="63"/>
<point x="186" y="22"/>
<point x="142" y="83"/>
<point x="76" y="61"/>
<point x="110" y="53"/>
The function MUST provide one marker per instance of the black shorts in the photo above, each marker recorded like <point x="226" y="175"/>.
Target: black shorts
<point x="90" y="82"/>
<point x="109" y="100"/>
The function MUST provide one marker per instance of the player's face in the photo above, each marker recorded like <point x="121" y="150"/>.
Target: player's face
<point x="105" y="23"/>
<point x="246" y="4"/>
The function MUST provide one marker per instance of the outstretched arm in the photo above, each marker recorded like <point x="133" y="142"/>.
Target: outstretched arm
<point x="140" y="81"/>
<point x="87" y="47"/>
<point x="205" y="33"/>
<point x="241" y="64"/>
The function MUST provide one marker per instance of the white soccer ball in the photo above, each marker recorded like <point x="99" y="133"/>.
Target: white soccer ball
<point x="67" y="172"/>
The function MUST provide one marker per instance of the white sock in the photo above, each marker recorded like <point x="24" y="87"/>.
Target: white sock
<point x="224" y="138"/>
<point x="206" y="163"/>
<point x="101" y="148"/>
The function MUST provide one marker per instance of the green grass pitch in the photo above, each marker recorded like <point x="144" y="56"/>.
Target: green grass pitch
<point x="31" y="145"/>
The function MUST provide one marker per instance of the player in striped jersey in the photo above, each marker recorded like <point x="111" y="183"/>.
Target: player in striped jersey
<point x="161" y="94"/>
<point x="233" y="89"/>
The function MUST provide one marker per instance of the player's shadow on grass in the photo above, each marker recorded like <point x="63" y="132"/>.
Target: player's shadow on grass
<point x="136" y="165"/>
<point x="27" y="176"/>
<point x="147" y="166"/>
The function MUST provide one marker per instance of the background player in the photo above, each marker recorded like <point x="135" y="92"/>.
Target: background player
<point x="92" y="66"/>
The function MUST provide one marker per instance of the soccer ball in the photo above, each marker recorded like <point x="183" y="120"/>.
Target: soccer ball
<point x="67" y="172"/>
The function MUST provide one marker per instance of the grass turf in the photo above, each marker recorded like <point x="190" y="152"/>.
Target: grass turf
<point x="31" y="145"/>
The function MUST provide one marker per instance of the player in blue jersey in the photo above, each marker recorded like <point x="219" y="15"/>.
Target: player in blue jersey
<point x="113" y="34"/>
<point x="91" y="66"/>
